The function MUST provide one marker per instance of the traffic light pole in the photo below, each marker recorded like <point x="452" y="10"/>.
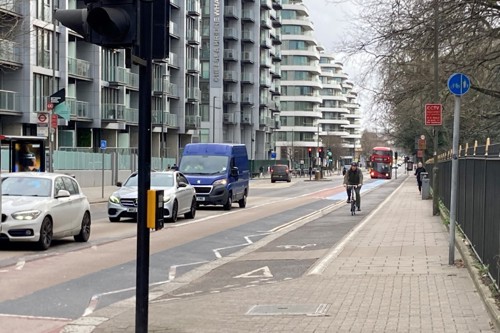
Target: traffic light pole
<point x="144" y="171"/>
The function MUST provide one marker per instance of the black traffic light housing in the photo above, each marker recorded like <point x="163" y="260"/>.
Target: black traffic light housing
<point x="109" y="23"/>
<point x="396" y="156"/>
<point x="309" y="152"/>
<point x="161" y="33"/>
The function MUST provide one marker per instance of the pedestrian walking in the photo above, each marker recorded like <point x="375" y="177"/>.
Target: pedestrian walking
<point x="420" y="168"/>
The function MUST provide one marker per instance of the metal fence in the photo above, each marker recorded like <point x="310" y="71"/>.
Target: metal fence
<point x="478" y="204"/>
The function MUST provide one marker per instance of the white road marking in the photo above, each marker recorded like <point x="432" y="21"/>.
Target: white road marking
<point x="266" y="273"/>
<point x="288" y="247"/>
<point x="173" y="269"/>
<point x="20" y="264"/>
<point x="218" y="255"/>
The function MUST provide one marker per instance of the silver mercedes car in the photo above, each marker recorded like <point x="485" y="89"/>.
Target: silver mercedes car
<point x="179" y="197"/>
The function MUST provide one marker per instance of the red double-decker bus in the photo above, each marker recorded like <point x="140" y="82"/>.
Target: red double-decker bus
<point x="381" y="163"/>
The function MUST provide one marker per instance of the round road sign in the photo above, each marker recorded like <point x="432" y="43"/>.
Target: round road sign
<point x="42" y="118"/>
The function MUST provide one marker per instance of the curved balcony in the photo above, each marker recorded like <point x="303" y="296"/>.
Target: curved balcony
<point x="307" y="83"/>
<point x="303" y="23"/>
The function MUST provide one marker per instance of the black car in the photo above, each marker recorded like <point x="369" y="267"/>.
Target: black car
<point x="280" y="172"/>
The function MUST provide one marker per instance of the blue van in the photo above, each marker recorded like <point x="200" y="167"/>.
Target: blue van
<point x="219" y="172"/>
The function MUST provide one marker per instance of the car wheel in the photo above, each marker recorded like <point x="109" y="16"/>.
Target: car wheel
<point x="192" y="211"/>
<point x="114" y="219"/>
<point x="84" y="234"/>
<point x="46" y="233"/>
<point x="243" y="201"/>
<point x="175" y="211"/>
<point x="229" y="202"/>
<point x="273" y="181"/>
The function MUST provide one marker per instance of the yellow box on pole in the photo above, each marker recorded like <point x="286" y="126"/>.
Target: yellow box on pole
<point x="151" y="211"/>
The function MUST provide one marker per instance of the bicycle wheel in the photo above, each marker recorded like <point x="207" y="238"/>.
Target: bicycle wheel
<point x="353" y="207"/>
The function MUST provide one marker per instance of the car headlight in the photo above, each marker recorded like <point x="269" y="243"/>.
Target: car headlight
<point x="114" y="199"/>
<point x="26" y="215"/>
<point x="220" y="182"/>
<point x="167" y="198"/>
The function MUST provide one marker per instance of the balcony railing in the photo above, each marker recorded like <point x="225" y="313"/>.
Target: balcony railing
<point x="78" y="109"/>
<point x="113" y="112"/>
<point x="10" y="101"/>
<point x="132" y="115"/>
<point x="193" y="93"/>
<point x="173" y="60"/>
<point x="193" y="121"/>
<point x="230" y="33"/>
<point x="193" y="7"/>
<point x="117" y="75"/>
<point x="193" y="65"/>
<point x="10" y="51"/>
<point x="78" y="67"/>
<point x="247" y="77"/>
<point x="174" y="29"/>
<point x="132" y="80"/>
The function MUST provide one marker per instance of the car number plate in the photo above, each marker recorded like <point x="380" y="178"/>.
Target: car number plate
<point x="132" y="210"/>
<point x="200" y="198"/>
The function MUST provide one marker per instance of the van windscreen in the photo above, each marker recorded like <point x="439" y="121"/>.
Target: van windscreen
<point x="203" y="164"/>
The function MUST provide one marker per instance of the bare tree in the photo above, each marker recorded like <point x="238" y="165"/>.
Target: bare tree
<point x="399" y="37"/>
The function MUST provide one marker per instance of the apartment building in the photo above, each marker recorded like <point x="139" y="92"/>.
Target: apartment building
<point x="240" y="55"/>
<point x="339" y="108"/>
<point x="317" y="99"/>
<point x="220" y="82"/>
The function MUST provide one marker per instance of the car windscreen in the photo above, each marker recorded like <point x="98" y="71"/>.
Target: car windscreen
<point x="162" y="179"/>
<point x="157" y="179"/>
<point x="26" y="186"/>
<point x="203" y="164"/>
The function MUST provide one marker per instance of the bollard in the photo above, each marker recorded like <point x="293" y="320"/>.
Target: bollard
<point x="426" y="185"/>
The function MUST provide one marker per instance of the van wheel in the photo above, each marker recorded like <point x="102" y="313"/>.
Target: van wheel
<point x="229" y="202"/>
<point x="243" y="201"/>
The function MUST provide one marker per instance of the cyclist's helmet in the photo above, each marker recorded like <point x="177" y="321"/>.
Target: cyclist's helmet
<point x="354" y="164"/>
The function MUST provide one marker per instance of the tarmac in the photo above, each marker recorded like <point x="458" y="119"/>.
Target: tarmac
<point x="390" y="273"/>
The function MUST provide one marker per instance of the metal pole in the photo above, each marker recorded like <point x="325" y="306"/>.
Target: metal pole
<point x="435" y="175"/>
<point x="144" y="173"/>
<point x="317" y="149"/>
<point x="102" y="175"/>
<point x="213" y="120"/>
<point x="454" y="179"/>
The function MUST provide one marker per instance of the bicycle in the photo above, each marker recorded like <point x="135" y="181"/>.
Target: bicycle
<point x="353" y="198"/>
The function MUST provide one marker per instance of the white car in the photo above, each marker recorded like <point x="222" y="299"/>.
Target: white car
<point x="39" y="207"/>
<point x="179" y="197"/>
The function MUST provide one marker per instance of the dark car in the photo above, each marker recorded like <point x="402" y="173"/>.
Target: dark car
<point x="280" y="172"/>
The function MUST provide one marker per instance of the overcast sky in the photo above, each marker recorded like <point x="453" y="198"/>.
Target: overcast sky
<point x="331" y="24"/>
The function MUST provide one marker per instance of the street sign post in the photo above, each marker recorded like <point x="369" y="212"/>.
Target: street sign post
<point x="433" y="115"/>
<point x="458" y="84"/>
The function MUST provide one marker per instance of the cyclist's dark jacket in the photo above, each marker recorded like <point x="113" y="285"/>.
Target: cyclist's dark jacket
<point x="353" y="177"/>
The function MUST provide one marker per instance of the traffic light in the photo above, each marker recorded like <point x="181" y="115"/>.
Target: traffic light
<point x="320" y="153"/>
<point x="309" y="151"/>
<point x="161" y="33"/>
<point x="396" y="155"/>
<point x="109" y="23"/>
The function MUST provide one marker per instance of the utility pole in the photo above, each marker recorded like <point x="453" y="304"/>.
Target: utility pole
<point x="435" y="169"/>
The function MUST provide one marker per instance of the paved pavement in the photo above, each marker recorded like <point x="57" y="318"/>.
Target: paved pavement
<point x="389" y="274"/>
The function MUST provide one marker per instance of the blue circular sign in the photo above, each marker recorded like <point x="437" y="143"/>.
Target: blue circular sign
<point x="458" y="84"/>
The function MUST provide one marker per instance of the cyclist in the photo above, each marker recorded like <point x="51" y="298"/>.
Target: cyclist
<point x="354" y="176"/>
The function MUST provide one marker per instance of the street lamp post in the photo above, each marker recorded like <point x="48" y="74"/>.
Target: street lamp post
<point x="164" y="106"/>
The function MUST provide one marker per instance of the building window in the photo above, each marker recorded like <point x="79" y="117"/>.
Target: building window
<point x="42" y="88"/>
